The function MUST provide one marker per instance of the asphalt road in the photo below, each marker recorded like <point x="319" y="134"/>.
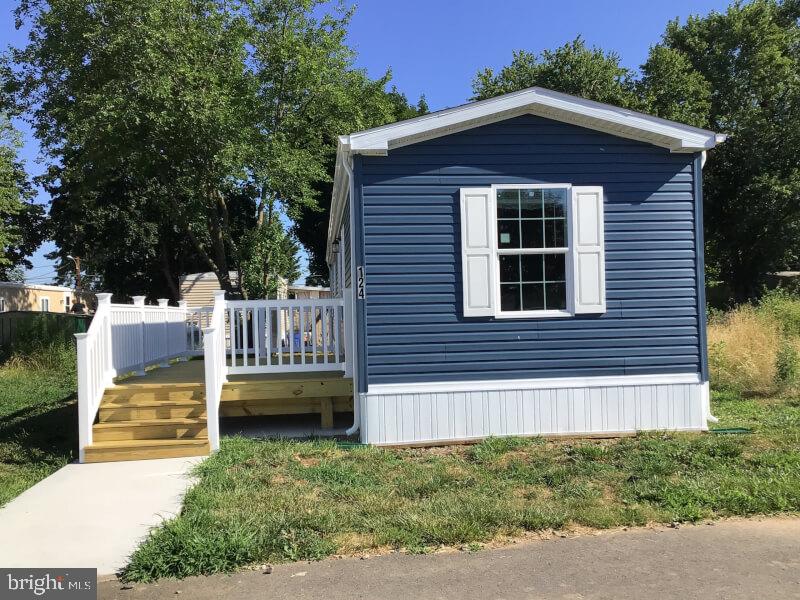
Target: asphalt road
<point x="730" y="559"/>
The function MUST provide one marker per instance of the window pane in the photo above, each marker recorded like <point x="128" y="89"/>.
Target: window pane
<point x="554" y="267"/>
<point x="531" y="204"/>
<point x="533" y="296"/>
<point x="532" y="234"/>
<point x="555" y="202"/>
<point x="508" y="234"/>
<point x="508" y="204"/>
<point x="554" y="233"/>
<point x="509" y="268"/>
<point x="532" y="267"/>
<point x="556" y="296"/>
<point x="509" y="297"/>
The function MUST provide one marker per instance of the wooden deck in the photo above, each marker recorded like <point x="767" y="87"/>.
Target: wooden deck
<point x="163" y="414"/>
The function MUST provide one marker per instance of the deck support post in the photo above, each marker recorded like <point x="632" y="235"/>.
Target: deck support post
<point x="326" y="413"/>
<point x="138" y="301"/>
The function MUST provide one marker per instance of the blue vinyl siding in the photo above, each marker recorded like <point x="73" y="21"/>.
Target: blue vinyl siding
<point x="414" y="328"/>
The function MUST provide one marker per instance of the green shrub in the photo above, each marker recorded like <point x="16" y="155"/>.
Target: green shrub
<point x="786" y="363"/>
<point x="784" y="307"/>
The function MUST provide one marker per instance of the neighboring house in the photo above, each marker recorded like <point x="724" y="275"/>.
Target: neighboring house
<point x="197" y="289"/>
<point x="41" y="298"/>
<point x="529" y="264"/>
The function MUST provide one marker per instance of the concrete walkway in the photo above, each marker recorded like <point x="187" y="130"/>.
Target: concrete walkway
<point x="732" y="559"/>
<point x="91" y="515"/>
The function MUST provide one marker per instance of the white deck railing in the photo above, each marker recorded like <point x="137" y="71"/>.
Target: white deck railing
<point x="127" y="338"/>
<point x="215" y="367"/>
<point x="286" y="335"/>
<point x="241" y="336"/>
<point x="94" y="368"/>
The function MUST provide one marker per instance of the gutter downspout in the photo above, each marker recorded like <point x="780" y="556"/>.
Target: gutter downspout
<point x="353" y="429"/>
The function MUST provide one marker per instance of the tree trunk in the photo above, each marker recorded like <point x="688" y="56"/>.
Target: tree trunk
<point x="166" y="269"/>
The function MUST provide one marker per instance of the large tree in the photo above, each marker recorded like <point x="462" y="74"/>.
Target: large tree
<point x="191" y="124"/>
<point x="739" y="72"/>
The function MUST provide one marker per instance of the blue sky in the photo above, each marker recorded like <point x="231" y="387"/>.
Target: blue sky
<point x="435" y="47"/>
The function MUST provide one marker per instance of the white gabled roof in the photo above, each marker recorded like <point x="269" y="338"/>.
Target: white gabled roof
<point x="537" y="101"/>
<point x="606" y="118"/>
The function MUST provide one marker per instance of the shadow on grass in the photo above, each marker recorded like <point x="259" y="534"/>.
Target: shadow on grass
<point x="40" y="433"/>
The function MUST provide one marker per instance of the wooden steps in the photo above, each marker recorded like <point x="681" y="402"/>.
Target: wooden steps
<point x="151" y="429"/>
<point x="163" y="414"/>
<point x="143" y="421"/>
<point x="145" y="449"/>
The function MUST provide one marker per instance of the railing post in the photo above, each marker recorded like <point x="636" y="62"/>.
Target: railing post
<point x="186" y="346"/>
<point x="85" y="418"/>
<point x="104" y="310"/>
<point x="138" y="301"/>
<point x="210" y="358"/>
<point x="163" y="303"/>
<point x="219" y="298"/>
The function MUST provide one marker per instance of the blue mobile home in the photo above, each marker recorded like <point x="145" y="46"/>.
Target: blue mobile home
<point x="530" y="264"/>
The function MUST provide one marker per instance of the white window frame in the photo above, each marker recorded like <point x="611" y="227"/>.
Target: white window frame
<point x="2" y="305"/>
<point x="568" y="255"/>
<point x="44" y="304"/>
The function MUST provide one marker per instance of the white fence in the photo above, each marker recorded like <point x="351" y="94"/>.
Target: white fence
<point x="286" y="335"/>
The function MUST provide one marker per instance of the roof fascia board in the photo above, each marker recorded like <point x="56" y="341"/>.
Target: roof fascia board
<point x="341" y="188"/>
<point x="601" y="117"/>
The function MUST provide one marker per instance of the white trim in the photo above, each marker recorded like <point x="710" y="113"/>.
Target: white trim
<point x="568" y="253"/>
<point x="677" y="137"/>
<point x="531" y="384"/>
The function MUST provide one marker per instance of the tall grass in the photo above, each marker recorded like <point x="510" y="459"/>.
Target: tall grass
<point x="754" y="348"/>
<point x="43" y="344"/>
<point x="38" y="417"/>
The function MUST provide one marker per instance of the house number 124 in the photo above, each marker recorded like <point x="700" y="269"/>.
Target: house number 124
<point x="360" y="283"/>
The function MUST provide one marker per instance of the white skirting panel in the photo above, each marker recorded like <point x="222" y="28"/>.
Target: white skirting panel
<point x="458" y="411"/>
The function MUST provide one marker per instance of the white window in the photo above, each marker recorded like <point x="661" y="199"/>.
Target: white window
<point x="532" y="250"/>
<point x="45" y="304"/>
<point x="2" y="305"/>
<point x="66" y="303"/>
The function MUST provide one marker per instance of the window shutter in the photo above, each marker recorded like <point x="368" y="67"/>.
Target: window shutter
<point x="477" y="251"/>
<point x="589" y="266"/>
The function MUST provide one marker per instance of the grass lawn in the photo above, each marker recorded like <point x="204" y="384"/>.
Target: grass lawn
<point x="38" y="426"/>
<point x="261" y="501"/>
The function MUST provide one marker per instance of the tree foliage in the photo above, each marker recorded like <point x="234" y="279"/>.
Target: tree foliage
<point x="736" y="72"/>
<point x="21" y="221"/>
<point x="187" y="125"/>
<point x="748" y="60"/>
<point x="572" y="68"/>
